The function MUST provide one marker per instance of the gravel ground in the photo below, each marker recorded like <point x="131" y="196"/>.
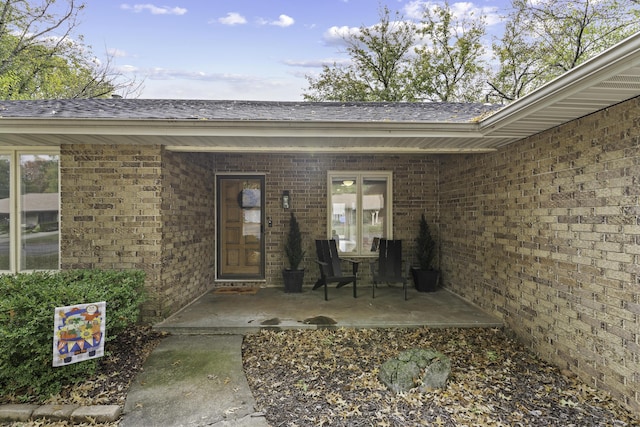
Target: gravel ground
<point x="329" y="378"/>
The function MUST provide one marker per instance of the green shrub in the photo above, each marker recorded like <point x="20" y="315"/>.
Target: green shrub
<point x="293" y="245"/>
<point x="26" y="324"/>
<point x="425" y="245"/>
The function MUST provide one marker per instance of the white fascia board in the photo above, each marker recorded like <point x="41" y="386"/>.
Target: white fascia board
<point x="230" y="128"/>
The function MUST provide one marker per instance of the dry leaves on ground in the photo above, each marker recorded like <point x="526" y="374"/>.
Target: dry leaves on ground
<point x="124" y="358"/>
<point x="328" y="377"/>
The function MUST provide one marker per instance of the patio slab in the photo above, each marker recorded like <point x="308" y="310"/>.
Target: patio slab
<point x="246" y="312"/>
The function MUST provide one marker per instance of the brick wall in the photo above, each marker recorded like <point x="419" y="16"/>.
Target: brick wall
<point x="545" y="233"/>
<point x="110" y="197"/>
<point x="305" y="176"/>
<point x="139" y="207"/>
<point x="142" y="207"/>
<point x="188" y="232"/>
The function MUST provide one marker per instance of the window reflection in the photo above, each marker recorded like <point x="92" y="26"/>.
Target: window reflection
<point x="39" y="212"/>
<point x="359" y="210"/>
<point x="251" y="213"/>
<point x="5" y="212"/>
<point x="344" y="205"/>
<point x="374" y="210"/>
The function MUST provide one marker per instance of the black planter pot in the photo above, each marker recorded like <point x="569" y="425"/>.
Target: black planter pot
<point x="425" y="280"/>
<point x="293" y="280"/>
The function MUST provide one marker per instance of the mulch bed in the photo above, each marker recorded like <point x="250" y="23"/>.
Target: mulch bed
<point x="125" y="356"/>
<point x="328" y="377"/>
<point x="123" y="360"/>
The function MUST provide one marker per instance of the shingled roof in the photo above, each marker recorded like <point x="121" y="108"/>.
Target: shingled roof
<point x="276" y="127"/>
<point x="164" y="109"/>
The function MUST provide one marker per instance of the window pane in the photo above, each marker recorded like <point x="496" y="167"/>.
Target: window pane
<point x="5" y="212"/>
<point x="374" y="210"/>
<point x="344" y="208"/>
<point x="39" y="202"/>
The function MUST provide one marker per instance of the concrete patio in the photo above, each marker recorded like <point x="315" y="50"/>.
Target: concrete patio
<point x="241" y="312"/>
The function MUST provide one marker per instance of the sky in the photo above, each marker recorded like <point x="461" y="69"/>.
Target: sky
<point x="235" y="49"/>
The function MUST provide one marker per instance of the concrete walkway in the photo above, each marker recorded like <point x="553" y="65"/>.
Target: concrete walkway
<point x="192" y="380"/>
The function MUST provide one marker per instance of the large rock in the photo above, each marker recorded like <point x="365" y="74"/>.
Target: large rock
<point x="424" y="368"/>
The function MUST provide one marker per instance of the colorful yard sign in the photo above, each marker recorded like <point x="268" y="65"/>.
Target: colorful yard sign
<point x="78" y="333"/>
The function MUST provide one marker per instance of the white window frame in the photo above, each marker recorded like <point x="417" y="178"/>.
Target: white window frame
<point x="360" y="176"/>
<point x="15" y="206"/>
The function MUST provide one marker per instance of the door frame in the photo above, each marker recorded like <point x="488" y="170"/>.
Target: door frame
<point x="261" y="177"/>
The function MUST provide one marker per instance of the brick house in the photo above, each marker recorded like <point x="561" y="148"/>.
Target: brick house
<point x="536" y="205"/>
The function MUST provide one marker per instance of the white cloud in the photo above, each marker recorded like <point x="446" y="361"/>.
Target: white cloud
<point x="165" y="83"/>
<point x="283" y="21"/>
<point x="127" y="69"/>
<point x="116" y="53"/>
<point x="336" y="35"/>
<point x="233" y="18"/>
<point x="316" y="63"/>
<point x="159" y="73"/>
<point x="468" y="9"/>
<point x="415" y="9"/>
<point x="155" y="10"/>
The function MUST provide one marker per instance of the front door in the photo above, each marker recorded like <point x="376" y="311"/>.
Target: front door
<point x="240" y="227"/>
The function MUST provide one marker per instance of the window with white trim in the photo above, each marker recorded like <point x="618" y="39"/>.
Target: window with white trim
<point x="29" y="210"/>
<point x="359" y="208"/>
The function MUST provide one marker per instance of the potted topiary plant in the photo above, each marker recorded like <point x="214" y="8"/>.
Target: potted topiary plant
<point x="425" y="276"/>
<point x="293" y="276"/>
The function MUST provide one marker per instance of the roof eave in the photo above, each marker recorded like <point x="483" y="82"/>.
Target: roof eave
<point x="613" y="61"/>
<point x="244" y="136"/>
<point x="235" y="128"/>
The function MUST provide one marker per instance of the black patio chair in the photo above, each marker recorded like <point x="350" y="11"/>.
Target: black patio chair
<point x="331" y="268"/>
<point x="388" y="267"/>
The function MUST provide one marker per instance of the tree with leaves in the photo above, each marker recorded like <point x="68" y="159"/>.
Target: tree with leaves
<point x="546" y="38"/>
<point x="521" y="68"/>
<point x="378" y="70"/>
<point x="542" y="40"/>
<point x="40" y="175"/>
<point x="386" y="65"/>
<point x="449" y="65"/>
<point x="40" y="58"/>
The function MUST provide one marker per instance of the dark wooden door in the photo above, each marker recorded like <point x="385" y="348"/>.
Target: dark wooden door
<point x="240" y="227"/>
